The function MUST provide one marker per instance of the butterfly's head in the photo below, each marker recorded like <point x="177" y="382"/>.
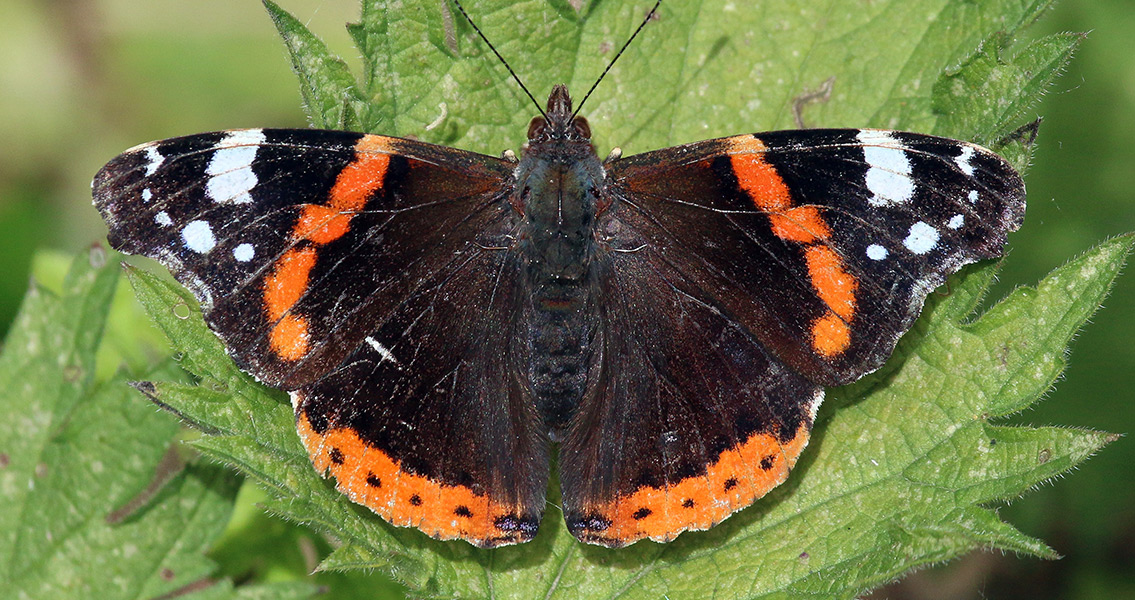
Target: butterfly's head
<point x="559" y="124"/>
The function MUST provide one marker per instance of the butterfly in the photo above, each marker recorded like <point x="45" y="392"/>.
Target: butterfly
<point x="444" y="321"/>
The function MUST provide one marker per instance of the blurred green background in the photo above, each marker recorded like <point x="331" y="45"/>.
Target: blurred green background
<point x="81" y="80"/>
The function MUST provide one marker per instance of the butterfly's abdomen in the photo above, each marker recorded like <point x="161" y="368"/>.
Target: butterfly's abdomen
<point x="558" y="199"/>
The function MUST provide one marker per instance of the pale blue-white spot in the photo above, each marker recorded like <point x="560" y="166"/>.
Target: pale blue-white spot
<point x="973" y="196"/>
<point x="956" y="221"/>
<point x="230" y="169"/>
<point x="888" y="178"/>
<point x="244" y="252"/>
<point x="876" y="252"/>
<point x="156" y="159"/>
<point x="921" y="239"/>
<point x="963" y="160"/>
<point x="147" y="195"/>
<point x="163" y="219"/>
<point x="198" y="237"/>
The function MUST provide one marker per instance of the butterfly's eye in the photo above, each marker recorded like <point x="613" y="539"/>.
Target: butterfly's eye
<point x="536" y="127"/>
<point x="582" y="128"/>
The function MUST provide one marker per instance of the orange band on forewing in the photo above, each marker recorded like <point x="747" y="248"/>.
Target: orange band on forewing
<point x="289" y="337"/>
<point x="835" y="286"/>
<point x="758" y="178"/>
<point x="737" y="479"/>
<point x="768" y="192"/>
<point x="803" y="224"/>
<point x="830" y="335"/>
<point x="325" y="223"/>
<point x="320" y="224"/>
<point x="370" y="477"/>
<point x="287" y="283"/>
<point x="358" y="180"/>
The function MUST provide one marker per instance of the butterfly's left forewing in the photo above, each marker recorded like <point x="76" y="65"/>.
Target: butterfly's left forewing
<point x="295" y="240"/>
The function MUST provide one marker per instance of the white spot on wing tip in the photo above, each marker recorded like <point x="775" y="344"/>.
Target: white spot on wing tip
<point x="147" y="195"/>
<point x="973" y="196"/>
<point x="156" y="159"/>
<point x="921" y="239"/>
<point x="244" y="252"/>
<point x="876" y="252"/>
<point x="242" y="137"/>
<point x="198" y="237"/>
<point x="956" y="221"/>
<point x="963" y="160"/>
<point x="230" y="169"/>
<point x="888" y="176"/>
<point x="163" y="219"/>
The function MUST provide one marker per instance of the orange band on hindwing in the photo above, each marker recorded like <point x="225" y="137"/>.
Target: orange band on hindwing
<point x="318" y="225"/>
<point x="835" y="287"/>
<point x="373" y="478"/>
<point x="738" y="477"/>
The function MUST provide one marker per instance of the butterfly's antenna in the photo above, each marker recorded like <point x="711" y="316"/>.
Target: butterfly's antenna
<point x="646" y="20"/>
<point x="501" y="58"/>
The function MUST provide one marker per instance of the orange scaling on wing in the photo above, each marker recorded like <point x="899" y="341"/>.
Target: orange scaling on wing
<point x="282" y="289"/>
<point x="831" y="333"/>
<point x="319" y="224"/>
<point x="371" y="477"/>
<point x="735" y="480"/>
<point x="356" y="183"/>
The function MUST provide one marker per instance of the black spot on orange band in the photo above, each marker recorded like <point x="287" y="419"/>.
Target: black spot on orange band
<point x="735" y="480"/>
<point x="370" y="477"/>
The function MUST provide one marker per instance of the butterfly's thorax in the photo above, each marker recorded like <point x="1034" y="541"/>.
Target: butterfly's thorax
<point x="558" y="181"/>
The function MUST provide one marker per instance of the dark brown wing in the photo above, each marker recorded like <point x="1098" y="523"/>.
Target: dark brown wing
<point x="690" y="419"/>
<point x="822" y="243"/>
<point x="741" y="274"/>
<point x="364" y="273"/>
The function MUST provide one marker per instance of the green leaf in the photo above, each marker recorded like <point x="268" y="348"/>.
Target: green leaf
<point x="700" y="70"/>
<point x="904" y="465"/>
<point x="989" y="92"/>
<point x="97" y="504"/>
<point x="330" y="93"/>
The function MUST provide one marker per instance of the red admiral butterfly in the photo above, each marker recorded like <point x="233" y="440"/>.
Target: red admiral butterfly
<point x="443" y="319"/>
